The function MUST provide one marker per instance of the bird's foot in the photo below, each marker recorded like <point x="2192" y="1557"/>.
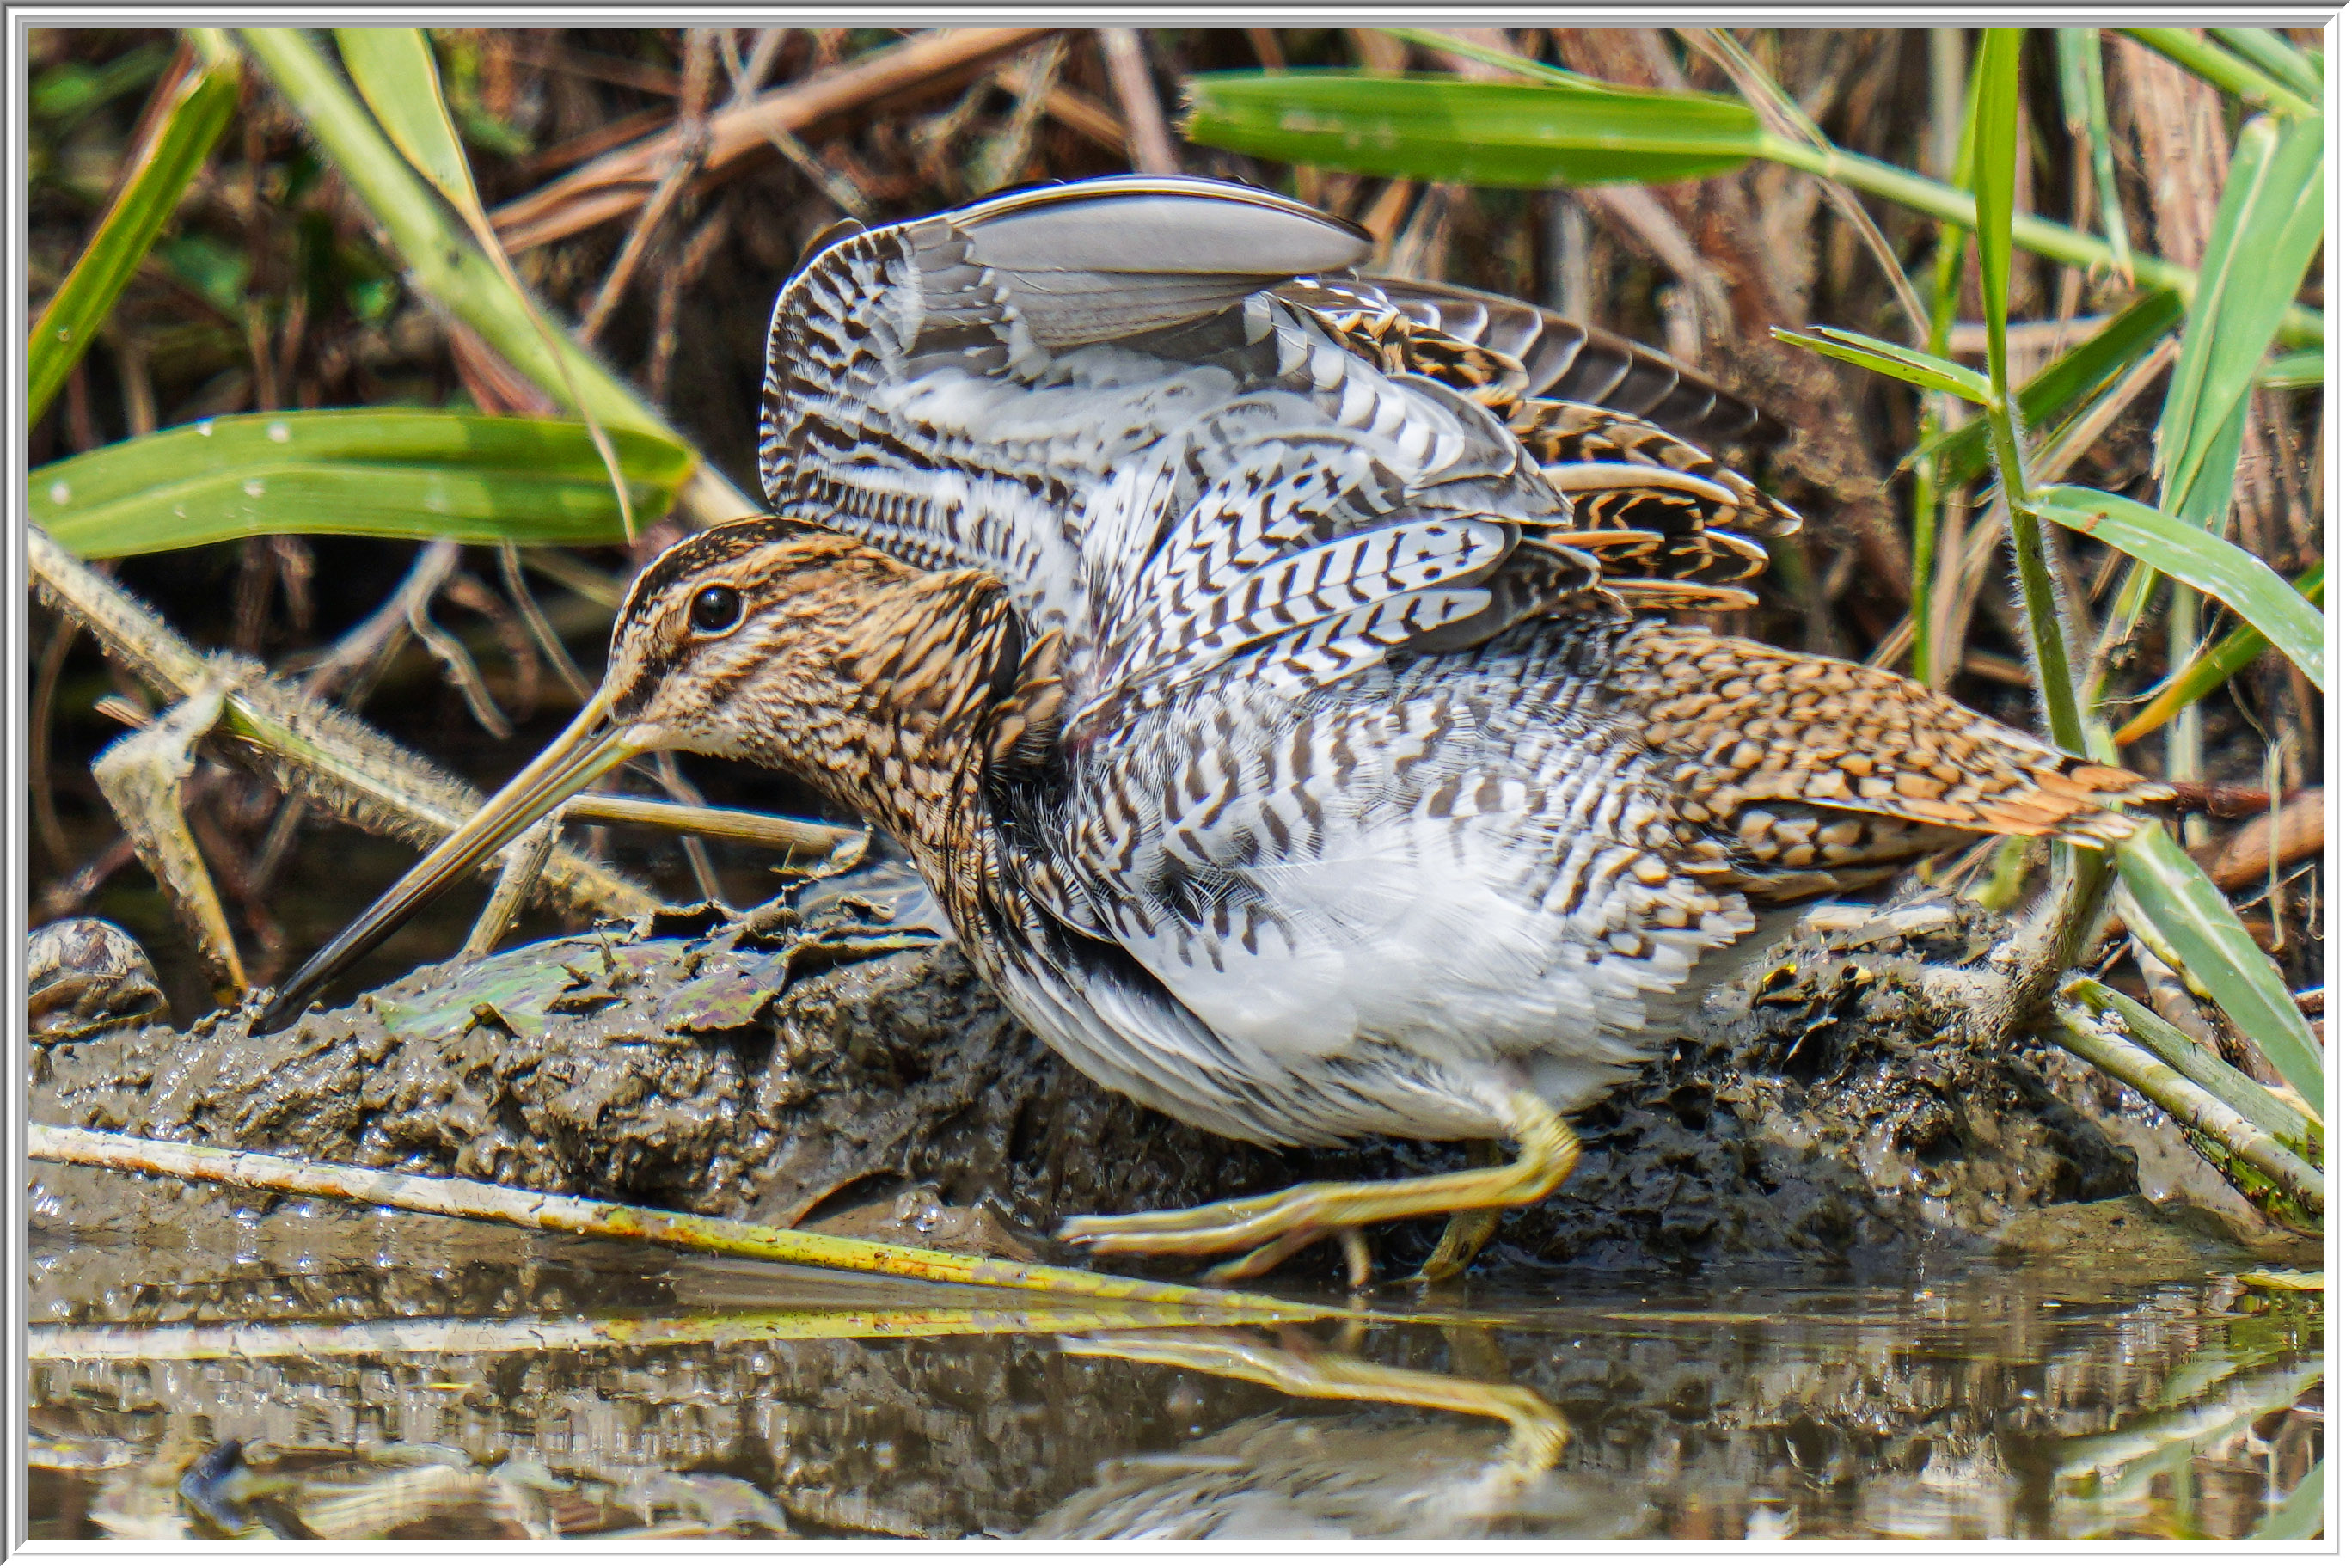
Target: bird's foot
<point x="1271" y="1227"/>
<point x="1352" y="1246"/>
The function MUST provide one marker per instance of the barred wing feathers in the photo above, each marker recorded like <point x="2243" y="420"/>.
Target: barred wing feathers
<point x="1165" y="415"/>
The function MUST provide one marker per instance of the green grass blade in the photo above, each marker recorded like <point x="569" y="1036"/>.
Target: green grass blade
<point x="2083" y="80"/>
<point x="1996" y="135"/>
<point x="2199" y="679"/>
<point x="2265" y="233"/>
<point x="445" y="262"/>
<point x="160" y="172"/>
<point x="394" y="69"/>
<point x="2232" y="74"/>
<point x="1996" y="189"/>
<point x="389" y="473"/>
<point x="1932" y="371"/>
<point x="2206" y="562"/>
<point x="1929" y="487"/>
<point x="2198" y="923"/>
<point x="2304" y="1512"/>
<point x="1481" y="132"/>
<point x="2289" y="66"/>
<point x="1257" y="106"/>
<point x="2066" y="383"/>
<point x="2302" y="368"/>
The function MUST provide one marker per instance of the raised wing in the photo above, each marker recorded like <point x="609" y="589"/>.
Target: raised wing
<point x="1164" y="416"/>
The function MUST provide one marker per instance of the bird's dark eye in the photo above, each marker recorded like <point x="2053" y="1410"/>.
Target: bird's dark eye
<point x="716" y="609"/>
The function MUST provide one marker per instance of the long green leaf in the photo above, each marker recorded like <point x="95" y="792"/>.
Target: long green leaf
<point x="2265" y="233"/>
<point x="2223" y="70"/>
<point x="2286" y="65"/>
<point x="2065" y="383"/>
<point x="2206" y="562"/>
<point x="1995" y="124"/>
<point x="1482" y="132"/>
<point x="1252" y="104"/>
<point x="446" y="263"/>
<point x="160" y="172"/>
<point x="2083" y="84"/>
<point x="1929" y="490"/>
<point x="394" y="69"/>
<point x="2213" y="666"/>
<point x="1920" y="369"/>
<point x="2199" y="924"/>
<point x="392" y="473"/>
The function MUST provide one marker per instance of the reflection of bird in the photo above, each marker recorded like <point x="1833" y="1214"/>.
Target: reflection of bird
<point x="1361" y="1475"/>
<point x="1251" y="661"/>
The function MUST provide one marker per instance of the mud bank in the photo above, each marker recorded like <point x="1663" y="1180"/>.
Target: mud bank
<point x="830" y="1065"/>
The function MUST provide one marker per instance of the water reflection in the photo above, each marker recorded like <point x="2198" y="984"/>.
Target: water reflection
<point x="326" y="1375"/>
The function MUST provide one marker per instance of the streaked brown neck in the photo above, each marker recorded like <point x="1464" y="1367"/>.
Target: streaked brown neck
<point x="913" y="674"/>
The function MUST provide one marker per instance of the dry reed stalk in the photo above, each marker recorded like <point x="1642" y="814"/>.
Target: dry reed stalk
<point x="616" y="183"/>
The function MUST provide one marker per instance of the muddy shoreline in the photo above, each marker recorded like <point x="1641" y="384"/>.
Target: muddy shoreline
<point x="829" y="1063"/>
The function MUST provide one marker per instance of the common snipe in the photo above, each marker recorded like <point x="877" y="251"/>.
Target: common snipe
<point x="1258" y="664"/>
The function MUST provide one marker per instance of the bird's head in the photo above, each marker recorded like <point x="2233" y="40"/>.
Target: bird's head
<point x="778" y="643"/>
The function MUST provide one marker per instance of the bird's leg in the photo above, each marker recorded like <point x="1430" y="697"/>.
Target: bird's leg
<point x="140" y="775"/>
<point x="1353" y="1246"/>
<point x="1548" y="1152"/>
<point x="1250" y="1265"/>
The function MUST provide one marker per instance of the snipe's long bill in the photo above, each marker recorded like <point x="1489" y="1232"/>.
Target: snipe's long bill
<point x="590" y="747"/>
<point x="1265" y="666"/>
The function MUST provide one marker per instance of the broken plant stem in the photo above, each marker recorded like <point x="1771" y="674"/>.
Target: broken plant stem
<point x="2255" y="1163"/>
<point x="559" y="658"/>
<point x="2201" y="1066"/>
<point x="300" y="745"/>
<point x="461" y="1199"/>
<point x="523" y="865"/>
<point x="758" y="829"/>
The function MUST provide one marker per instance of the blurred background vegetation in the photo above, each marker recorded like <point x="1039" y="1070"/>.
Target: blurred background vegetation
<point x="651" y="188"/>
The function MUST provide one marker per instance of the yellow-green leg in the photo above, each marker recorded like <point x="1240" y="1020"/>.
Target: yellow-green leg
<point x="1352" y="1248"/>
<point x="1547" y="1154"/>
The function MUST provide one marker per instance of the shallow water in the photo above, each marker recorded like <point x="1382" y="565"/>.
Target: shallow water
<point x="309" y="1370"/>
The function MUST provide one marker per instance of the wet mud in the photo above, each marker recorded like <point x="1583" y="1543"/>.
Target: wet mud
<point x="825" y="1061"/>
